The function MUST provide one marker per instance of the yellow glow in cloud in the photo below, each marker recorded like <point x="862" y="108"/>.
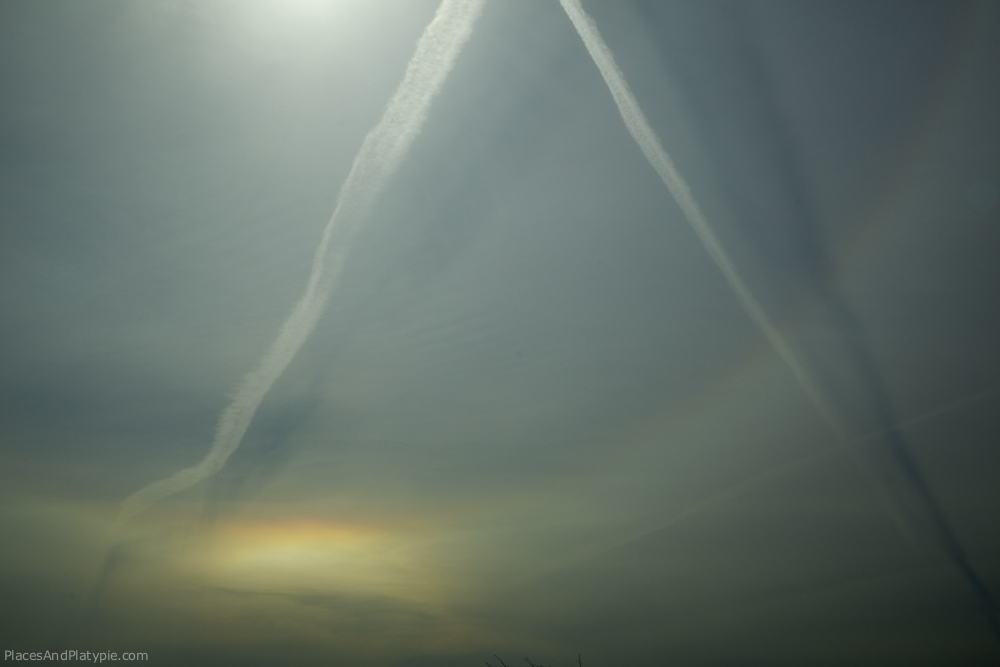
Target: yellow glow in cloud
<point x="310" y="554"/>
<point x="290" y="543"/>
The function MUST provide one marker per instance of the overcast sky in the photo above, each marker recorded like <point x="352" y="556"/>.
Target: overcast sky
<point x="534" y="418"/>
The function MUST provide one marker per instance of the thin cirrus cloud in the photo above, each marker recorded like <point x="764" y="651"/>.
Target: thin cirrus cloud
<point x="524" y="401"/>
<point x="382" y="152"/>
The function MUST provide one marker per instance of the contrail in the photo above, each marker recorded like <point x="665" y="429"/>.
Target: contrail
<point x="644" y="135"/>
<point x="894" y="448"/>
<point x="381" y="153"/>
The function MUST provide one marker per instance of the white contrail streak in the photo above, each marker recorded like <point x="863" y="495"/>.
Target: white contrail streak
<point x="658" y="158"/>
<point x="381" y="153"/>
<point x="649" y="143"/>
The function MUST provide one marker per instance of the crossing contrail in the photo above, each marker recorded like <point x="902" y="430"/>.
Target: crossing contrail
<point x="381" y="153"/>
<point x="645" y="137"/>
<point x="917" y="492"/>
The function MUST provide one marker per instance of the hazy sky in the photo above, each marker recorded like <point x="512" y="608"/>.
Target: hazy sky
<point x="533" y="419"/>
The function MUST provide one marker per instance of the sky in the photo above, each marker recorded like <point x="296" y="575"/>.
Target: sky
<point x="524" y="412"/>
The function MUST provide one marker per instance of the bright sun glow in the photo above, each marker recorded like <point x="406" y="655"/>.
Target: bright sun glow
<point x="299" y="9"/>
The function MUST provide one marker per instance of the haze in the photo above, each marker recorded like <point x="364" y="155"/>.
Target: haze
<point x="690" y="360"/>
